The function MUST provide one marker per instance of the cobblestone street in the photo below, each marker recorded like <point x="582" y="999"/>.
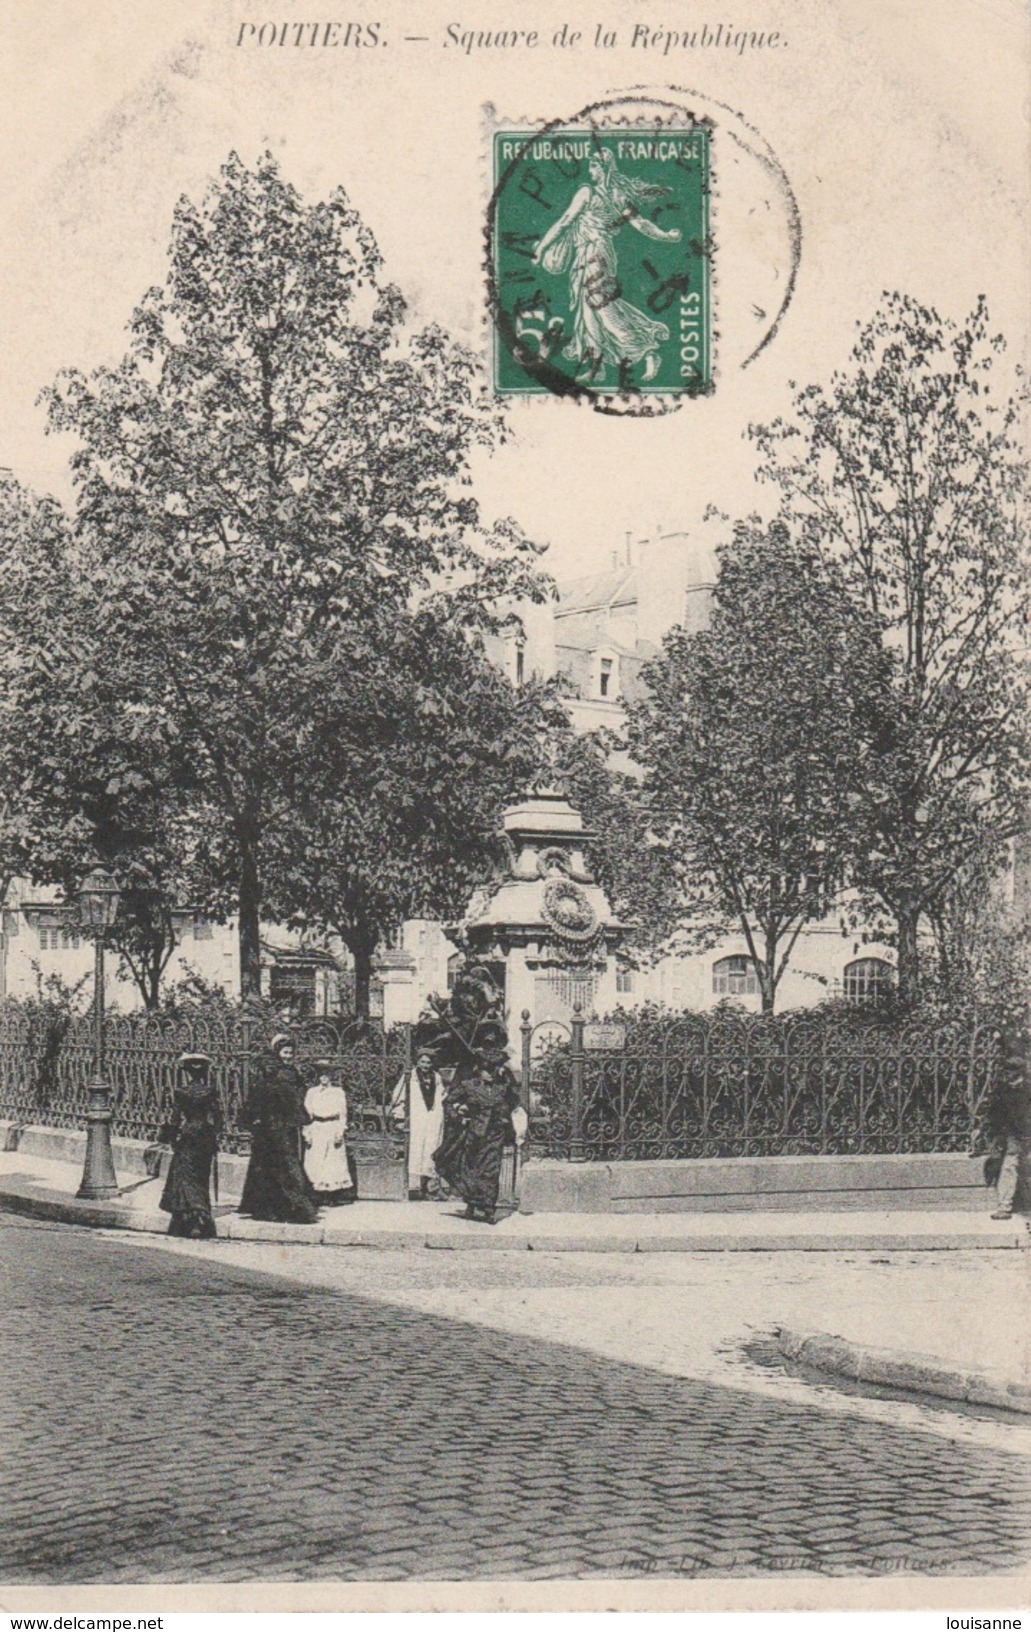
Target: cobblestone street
<point x="168" y="1416"/>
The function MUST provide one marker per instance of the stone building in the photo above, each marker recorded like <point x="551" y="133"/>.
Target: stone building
<point x="40" y="936"/>
<point x="599" y="634"/>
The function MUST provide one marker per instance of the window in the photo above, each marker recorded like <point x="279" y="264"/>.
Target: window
<point x="520" y="665"/>
<point x="734" y="977"/>
<point x="624" y="980"/>
<point x="868" y="980"/>
<point x="54" y="939"/>
<point x="605" y="677"/>
<point x="202" y="930"/>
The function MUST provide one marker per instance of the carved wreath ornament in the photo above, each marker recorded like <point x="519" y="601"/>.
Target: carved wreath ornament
<point x="568" y="910"/>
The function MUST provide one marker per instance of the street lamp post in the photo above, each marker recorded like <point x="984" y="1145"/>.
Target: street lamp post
<point x="98" y="905"/>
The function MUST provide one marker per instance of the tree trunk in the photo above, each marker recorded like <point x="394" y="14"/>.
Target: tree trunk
<point x="155" y="969"/>
<point x="907" y="917"/>
<point x="768" y="976"/>
<point x="250" y="922"/>
<point x="362" y="946"/>
<point x="940" y="932"/>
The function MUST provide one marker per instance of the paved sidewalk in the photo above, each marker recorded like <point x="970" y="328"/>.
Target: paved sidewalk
<point x="45" y="1189"/>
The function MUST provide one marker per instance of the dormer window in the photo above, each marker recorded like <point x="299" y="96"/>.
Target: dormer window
<point x="605" y="677"/>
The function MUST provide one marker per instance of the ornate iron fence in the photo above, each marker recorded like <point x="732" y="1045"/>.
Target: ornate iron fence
<point x="46" y="1065"/>
<point x="736" y="1085"/>
<point x="681" y="1086"/>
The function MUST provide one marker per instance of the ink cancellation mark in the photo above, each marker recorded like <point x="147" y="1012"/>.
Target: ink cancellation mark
<point x="600" y="262"/>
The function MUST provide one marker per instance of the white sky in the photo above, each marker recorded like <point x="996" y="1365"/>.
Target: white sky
<point x="900" y="125"/>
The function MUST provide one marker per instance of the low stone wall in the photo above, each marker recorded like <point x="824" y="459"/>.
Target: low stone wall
<point x="792" y="1184"/>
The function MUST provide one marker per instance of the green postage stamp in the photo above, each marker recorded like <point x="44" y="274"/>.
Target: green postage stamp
<point x="600" y="259"/>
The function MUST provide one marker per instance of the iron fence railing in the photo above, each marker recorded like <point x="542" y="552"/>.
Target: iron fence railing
<point x="46" y="1064"/>
<point x="679" y="1086"/>
<point x="738" y="1085"/>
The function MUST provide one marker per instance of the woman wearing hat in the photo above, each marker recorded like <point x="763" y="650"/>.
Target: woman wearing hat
<point x="483" y="1115"/>
<point x="276" y="1187"/>
<point x="193" y="1132"/>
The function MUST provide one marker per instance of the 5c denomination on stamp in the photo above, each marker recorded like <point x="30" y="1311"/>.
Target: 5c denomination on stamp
<point x="601" y="261"/>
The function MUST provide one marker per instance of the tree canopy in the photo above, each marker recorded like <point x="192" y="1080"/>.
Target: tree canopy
<point x="908" y="470"/>
<point x="272" y="505"/>
<point x="754" y="735"/>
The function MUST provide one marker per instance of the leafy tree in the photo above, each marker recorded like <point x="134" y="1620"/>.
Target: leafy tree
<point x="982" y="937"/>
<point x="400" y="814"/>
<point x="34" y="583"/>
<point x="908" y="468"/>
<point x="84" y="777"/>
<point x="753" y="736"/>
<point x="274" y="476"/>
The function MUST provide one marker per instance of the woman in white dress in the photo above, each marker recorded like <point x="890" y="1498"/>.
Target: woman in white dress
<point x="582" y="243"/>
<point x="327" y="1161"/>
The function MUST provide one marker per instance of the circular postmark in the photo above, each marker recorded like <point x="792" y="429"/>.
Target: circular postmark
<point x="601" y="251"/>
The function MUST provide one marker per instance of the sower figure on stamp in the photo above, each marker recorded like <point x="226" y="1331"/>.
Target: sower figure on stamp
<point x="1008" y="1119"/>
<point x="276" y="1187"/>
<point x="582" y="242"/>
<point x="330" y="1167"/>
<point x="193" y="1133"/>
<point x="420" y="1096"/>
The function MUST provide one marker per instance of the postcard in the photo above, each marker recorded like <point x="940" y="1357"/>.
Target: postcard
<point x="516" y="882"/>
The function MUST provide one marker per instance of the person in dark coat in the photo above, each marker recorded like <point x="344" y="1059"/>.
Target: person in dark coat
<point x="1008" y="1121"/>
<point x="276" y="1187"/>
<point x="193" y="1133"/>
<point x="483" y="1116"/>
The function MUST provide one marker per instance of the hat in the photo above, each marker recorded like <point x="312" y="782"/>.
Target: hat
<point x="191" y="1060"/>
<point x="280" y="1040"/>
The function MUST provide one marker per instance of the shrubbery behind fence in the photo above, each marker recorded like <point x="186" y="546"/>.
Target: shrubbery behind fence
<point x="720" y="1084"/>
<point x="727" y="1084"/>
<point x="46" y="1061"/>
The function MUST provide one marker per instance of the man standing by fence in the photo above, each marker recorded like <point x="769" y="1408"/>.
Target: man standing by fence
<point x="1008" y="1121"/>
<point x="423" y="1090"/>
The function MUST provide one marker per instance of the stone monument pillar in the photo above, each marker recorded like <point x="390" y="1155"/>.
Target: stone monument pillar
<point x="546" y="921"/>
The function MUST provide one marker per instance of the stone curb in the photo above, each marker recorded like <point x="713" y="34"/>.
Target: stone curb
<point x="32" y="1200"/>
<point x="95" y="1215"/>
<point x="918" y="1373"/>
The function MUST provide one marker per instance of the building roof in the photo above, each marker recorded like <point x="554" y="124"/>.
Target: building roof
<point x="298" y="956"/>
<point x="600" y="589"/>
<point x="592" y="640"/>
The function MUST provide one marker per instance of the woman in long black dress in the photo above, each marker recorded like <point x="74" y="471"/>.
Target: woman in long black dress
<point x="478" y="1128"/>
<point x="276" y="1187"/>
<point x="193" y="1132"/>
